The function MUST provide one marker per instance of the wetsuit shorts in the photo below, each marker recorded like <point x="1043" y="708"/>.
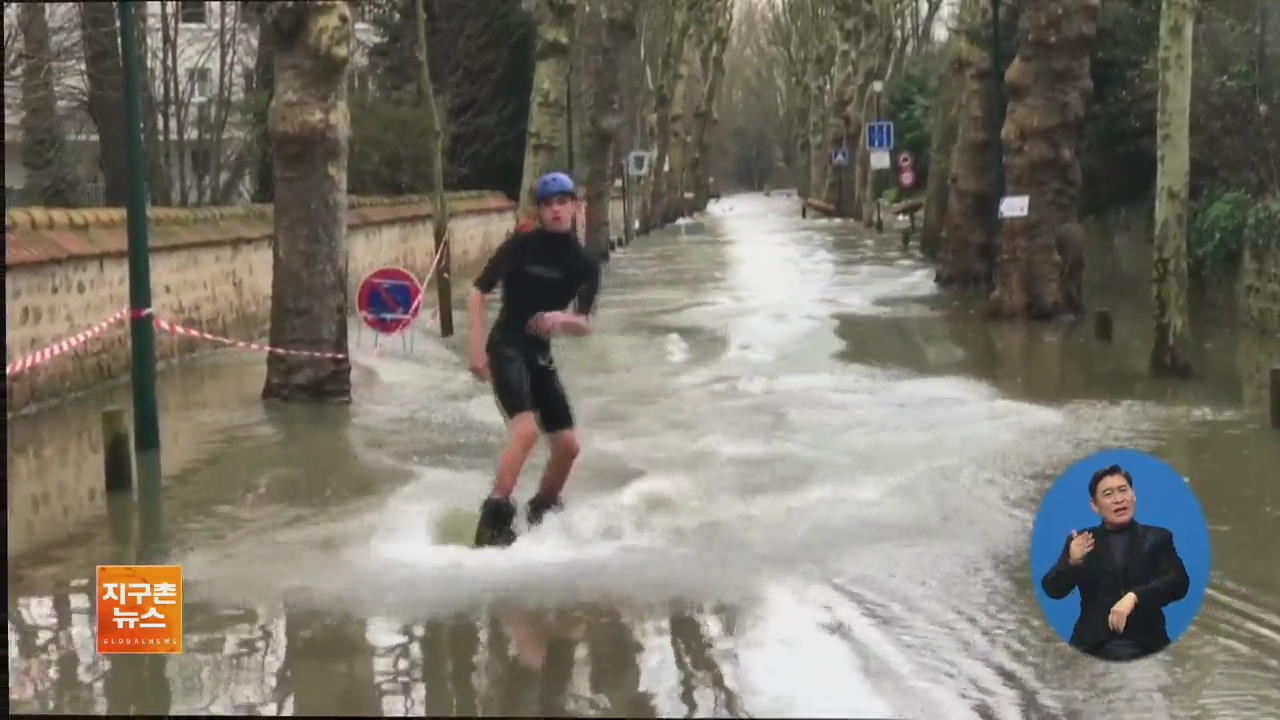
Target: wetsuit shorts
<point x="524" y="379"/>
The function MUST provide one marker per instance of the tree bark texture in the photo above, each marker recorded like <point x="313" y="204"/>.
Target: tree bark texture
<point x="968" y="231"/>
<point x="609" y="58"/>
<point x="946" y="127"/>
<point x="818" y="72"/>
<point x="51" y="180"/>
<point x="678" y="139"/>
<point x="840" y="101"/>
<point x="1040" y="261"/>
<point x="106" y="96"/>
<point x="310" y="128"/>
<point x="548" y="106"/>
<point x="665" y="94"/>
<point x="435" y="144"/>
<point x="263" y="84"/>
<point x="704" y="118"/>
<point x="1169" y="355"/>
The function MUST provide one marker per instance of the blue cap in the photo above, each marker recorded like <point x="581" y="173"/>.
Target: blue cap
<point x="552" y="184"/>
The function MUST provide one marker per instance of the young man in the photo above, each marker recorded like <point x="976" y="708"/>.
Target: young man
<point x="542" y="268"/>
<point x="1125" y="582"/>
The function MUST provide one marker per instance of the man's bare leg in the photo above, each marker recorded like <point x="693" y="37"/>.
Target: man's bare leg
<point x="522" y="436"/>
<point x="564" y="451"/>
<point x="497" y="512"/>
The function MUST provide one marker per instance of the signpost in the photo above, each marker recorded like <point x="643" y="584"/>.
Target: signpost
<point x="879" y="143"/>
<point x="389" y="299"/>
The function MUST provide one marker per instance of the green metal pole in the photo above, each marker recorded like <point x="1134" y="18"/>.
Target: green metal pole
<point x="142" y="332"/>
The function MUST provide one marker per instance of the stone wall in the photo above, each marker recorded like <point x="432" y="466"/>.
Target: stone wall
<point x="1260" y="287"/>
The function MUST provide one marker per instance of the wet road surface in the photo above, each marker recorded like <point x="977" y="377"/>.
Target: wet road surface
<point x="807" y="488"/>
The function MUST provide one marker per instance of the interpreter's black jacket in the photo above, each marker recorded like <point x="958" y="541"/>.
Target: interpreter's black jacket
<point x="1153" y="572"/>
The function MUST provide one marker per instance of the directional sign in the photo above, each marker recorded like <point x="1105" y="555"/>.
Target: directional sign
<point x="389" y="299"/>
<point x="880" y="136"/>
<point x="1015" y="206"/>
<point x="840" y="157"/>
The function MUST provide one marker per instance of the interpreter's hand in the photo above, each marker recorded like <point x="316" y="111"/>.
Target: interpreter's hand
<point x="479" y="365"/>
<point x="1120" y="612"/>
<point x="1081" y="544"/>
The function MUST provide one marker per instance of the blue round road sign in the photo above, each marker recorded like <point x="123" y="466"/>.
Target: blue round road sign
<point x="389" y="299"/>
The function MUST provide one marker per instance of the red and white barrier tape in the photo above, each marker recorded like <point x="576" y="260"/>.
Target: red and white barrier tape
<point x="66" y="345"/>
<point x="177" y="329"/>
<point x="63" y="346"/>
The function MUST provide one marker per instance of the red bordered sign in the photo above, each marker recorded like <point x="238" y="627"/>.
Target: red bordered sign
<point x="389" y="299"/>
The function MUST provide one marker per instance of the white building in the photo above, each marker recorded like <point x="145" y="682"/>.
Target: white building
<point x="216" y="51"/>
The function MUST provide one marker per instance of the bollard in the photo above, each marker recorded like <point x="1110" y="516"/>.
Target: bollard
<point x="117" y="462"/>
<point x="1275" y="397"/>
<point x="1102" y="325"/>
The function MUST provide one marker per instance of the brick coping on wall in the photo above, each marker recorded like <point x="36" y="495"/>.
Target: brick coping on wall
<point x="40" y="235"/>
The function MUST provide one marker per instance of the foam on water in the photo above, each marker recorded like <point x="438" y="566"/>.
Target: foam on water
<point x="721" y="454"/>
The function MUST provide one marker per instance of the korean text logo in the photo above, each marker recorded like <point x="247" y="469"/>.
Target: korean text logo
<point x="139" y="609"/>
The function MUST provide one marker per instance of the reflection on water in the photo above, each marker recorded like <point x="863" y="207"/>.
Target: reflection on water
<point x="807" y="486"/>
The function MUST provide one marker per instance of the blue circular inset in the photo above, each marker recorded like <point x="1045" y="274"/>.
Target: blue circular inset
<point x="1160" y="498"/>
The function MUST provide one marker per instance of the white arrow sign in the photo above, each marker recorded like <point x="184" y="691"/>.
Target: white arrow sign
<point x="1015" y="206"/>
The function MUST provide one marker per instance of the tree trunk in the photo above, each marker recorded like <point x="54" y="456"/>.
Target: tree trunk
<point x="704" y="118"/>
<point x="544" y="146"/>
<point x="839" y="121"/>
<point x="1173" y="159"/>
<point x="606" y="114"/>
<point x="106" y="96"/>
<point x="435" y="143"/>
<point x="264" y="82"/>
<point x="946" y="126"/>
<point x="50" y="178"/>
<point x="970" y="223"/>
<point x="1040" y="267"/>
<point x="678" y="143"/>
<point x="665" y="97"/>
<point x="310" y="127"/>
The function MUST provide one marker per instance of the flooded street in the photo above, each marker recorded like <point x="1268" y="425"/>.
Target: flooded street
<point x="807" y="486"/>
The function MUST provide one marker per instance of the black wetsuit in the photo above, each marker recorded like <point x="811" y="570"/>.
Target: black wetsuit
<point x="540" y="271"/>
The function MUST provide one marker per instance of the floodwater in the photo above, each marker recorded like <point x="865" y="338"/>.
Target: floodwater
<point x="807" y="489"/>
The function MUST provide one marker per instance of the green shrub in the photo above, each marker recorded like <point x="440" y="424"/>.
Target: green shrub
<point x="1216" y="234"/>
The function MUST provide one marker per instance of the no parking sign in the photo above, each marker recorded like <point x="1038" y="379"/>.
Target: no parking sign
<point x="389" y="299"/>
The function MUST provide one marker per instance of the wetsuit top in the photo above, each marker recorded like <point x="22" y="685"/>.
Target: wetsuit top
<point x="540" y="271"/>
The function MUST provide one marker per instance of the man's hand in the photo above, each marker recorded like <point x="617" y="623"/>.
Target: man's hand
<point x="548" y="324"/>
<point x="1080" y="546"/>
<point x="1120" y="612"/>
